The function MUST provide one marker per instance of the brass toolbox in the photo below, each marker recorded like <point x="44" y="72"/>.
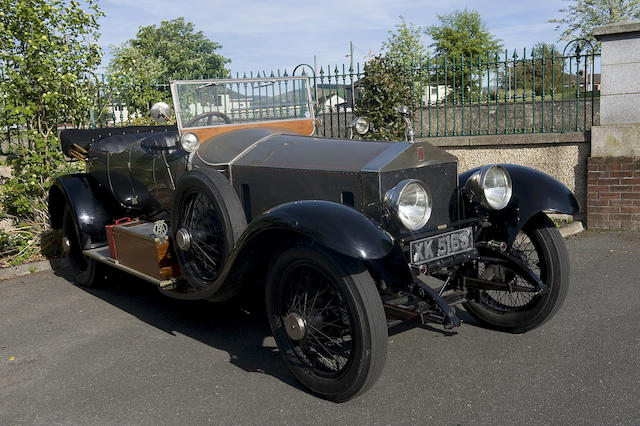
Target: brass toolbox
<point x="139" y="249"/>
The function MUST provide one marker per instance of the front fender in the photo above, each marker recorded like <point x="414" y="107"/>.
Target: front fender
<point x="533" y="192"/>
<point x="332" y="225"/>
<point x="335" y="226"/>
<point x="93" y="207"/>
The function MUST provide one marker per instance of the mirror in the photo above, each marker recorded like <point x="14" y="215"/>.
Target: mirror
<point x="160" y="112"/>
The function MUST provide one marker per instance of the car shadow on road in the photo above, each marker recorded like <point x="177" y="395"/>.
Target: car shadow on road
<point x="238" y="327"/>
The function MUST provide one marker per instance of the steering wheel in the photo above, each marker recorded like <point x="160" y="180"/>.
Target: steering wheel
<point x="209" y="116"/>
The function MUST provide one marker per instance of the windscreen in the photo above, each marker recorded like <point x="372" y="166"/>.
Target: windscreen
<point x="207" y="103"/>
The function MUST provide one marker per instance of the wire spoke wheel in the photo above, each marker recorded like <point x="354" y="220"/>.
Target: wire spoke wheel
<point x="539" y="246"/>
<point x="327" y="319"/>
<point x="524" y="249"/>
<point x="324" y="342"/>
<point x="200" y="219"/>
<point x="206" y="221"/>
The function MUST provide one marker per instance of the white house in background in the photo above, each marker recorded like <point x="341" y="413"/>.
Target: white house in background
<point x="224" y="103"/>
<point x="331" y="102"/>
<point x="118" y="113"/>
<point x="433" y="94"/>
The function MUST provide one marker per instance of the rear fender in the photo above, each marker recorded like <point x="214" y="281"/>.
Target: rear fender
<point x="93" y="207"/>
<point x="533" y="192"/>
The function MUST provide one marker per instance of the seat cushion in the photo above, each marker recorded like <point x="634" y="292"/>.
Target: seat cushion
<point x="119" y="143"/>
<point x="85" y="137"/>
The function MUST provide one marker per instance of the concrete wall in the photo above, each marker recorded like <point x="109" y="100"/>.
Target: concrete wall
<point x="620" y="70"/>
<point x="613" y="184"/>
<point x="563" y="155"/>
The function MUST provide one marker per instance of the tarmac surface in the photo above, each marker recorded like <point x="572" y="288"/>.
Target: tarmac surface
<point x="126" y="354"/>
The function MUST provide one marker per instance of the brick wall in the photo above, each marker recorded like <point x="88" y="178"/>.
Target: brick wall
<point x="613" y="193"/>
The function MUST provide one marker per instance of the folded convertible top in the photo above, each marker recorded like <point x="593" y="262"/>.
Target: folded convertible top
<point x="84" y="137"/>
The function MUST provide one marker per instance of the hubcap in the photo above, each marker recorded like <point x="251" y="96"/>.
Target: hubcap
<point x="183" y="239"/>
<point x="295" y="326"/>
<point x="66" y="245"/>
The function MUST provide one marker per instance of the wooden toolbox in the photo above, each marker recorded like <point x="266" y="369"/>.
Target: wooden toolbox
<point x="139" y="249"/>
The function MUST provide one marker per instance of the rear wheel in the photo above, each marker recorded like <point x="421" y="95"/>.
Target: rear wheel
<point x="328" y="321"/>
<point x="85" y="271"/>
<point x="540" y="246"/>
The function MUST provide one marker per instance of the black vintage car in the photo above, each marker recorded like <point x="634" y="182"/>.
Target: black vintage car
<point x="345" y="237"/>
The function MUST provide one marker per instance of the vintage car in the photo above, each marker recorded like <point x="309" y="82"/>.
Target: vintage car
<point x="345" y="237"/>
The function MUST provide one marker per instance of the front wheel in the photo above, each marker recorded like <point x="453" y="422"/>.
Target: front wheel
<point x="540" y="246"/>
<point x="328" y="321"/>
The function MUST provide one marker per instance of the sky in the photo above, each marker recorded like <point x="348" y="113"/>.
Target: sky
<point x="262" y="35"/>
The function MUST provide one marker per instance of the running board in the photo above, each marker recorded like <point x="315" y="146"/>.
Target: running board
<point x="101" y="254"/>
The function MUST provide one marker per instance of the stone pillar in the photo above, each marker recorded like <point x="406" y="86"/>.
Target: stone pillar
<point x="613" y="176"/>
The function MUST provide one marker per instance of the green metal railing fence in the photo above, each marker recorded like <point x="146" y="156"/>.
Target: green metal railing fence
<point x="539" y="92"/>
<point x="527" y="92"/>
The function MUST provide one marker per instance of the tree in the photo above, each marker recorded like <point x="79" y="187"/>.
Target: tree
<point x="47" y="50"/>
<point x="462" y="34"/>
<point x="405" y="45"/>
<point x="461" y="41"/>
<point x="171" y="50"/>
<point x="580" y="16"/>
<point x="540" y="73"/>
<point x="174" y="48"/>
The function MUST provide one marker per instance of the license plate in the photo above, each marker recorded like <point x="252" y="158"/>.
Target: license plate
<point x="442" y="245"/>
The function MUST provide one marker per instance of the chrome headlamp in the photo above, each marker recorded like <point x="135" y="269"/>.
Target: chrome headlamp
<point x="360" y="125"/>
<point x="189" y="142"/>
<point x="411" y="201"/>
<point x="490" y="187"/>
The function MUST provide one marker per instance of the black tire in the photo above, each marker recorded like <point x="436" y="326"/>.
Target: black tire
<point x="84" y="271"/>
<point x="541" y="246"/>
<point x="207" y="207"/>
<point x="341" y="349"/>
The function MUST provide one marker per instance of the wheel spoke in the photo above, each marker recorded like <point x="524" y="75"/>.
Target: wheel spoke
<point x="330" y="339"/>
<point x="205" y="245"/>
<point x="204" y="253"/>
<point x="524" y="249"/>
<point x="199" y="217"/>
<point x="309" y="294"/>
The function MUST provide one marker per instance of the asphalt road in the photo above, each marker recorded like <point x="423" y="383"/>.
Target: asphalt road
<point x="126" y="354"/>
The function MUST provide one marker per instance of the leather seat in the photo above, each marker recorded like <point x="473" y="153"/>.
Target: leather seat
<point x="119" y="143"/>
<point x="160" y="140"/>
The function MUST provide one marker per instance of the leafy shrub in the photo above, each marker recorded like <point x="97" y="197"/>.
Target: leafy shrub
<point x="48" y="50"/>
<point x="23" y="196"/>
<point x="385" y="85"/>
